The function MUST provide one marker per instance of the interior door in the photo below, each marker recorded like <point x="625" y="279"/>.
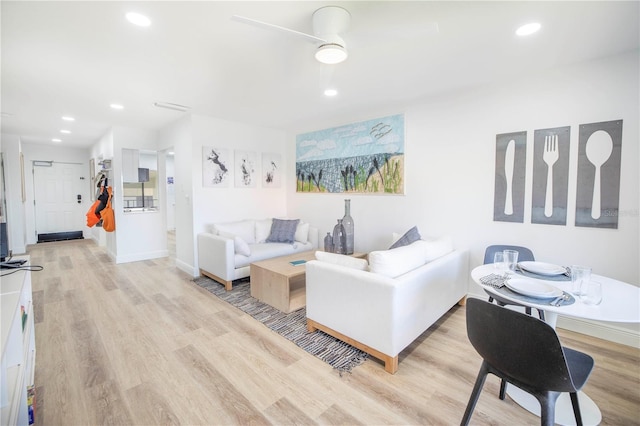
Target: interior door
<point x="57" y="187"/>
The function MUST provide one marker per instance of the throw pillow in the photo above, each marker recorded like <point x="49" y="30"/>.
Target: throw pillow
<point x="241" y="247"/>
<point x="436" y="248"/>
<point x="343" y="260"/>
<point x="263" y="228"/>
<point x="283" y="231"/>
<point x="411" y="236"/>
<point x="245" y="229"/>
<point x="396" y="262"/>
<point x="302" y="233"/>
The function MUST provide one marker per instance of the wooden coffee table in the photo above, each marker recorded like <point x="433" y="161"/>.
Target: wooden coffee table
<point x="281" y="284"/>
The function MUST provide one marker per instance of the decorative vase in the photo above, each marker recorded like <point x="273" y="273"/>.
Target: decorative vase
<point x="347" y="222"/>
<point x="339" y="238"/>
<point x="328" y="243"/>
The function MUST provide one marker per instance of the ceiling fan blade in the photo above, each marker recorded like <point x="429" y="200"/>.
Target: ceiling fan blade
<point x="308" y="37"/>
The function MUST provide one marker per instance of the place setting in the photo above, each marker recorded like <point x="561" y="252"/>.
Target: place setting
<point x="526" y="281"/>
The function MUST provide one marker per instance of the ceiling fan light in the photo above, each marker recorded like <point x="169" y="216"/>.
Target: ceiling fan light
<point x="331" y="53"/>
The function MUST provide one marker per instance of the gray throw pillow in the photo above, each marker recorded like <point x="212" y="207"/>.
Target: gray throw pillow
<point x="283" y="231"/>
<point x="411" y="236"/>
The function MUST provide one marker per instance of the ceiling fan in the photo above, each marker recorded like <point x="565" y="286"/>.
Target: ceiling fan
<point x="328" y="23"/>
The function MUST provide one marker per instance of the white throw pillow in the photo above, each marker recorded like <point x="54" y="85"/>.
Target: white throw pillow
<point x="395" y="262"/>
<point x="343" y="260"/>
<point x="241" y="247"/>
<point x="263" y="229"/>
<point x="245" y="229"/>
<point x="438" y="247"/>
<point x="302" y="233"/>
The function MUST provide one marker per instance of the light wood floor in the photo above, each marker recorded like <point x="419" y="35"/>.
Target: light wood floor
<point x="139" y="343"/>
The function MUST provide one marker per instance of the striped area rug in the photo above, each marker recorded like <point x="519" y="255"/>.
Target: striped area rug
<point x="292" y="326"/>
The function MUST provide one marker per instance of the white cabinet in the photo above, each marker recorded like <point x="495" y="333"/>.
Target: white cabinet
<point x="18" y="345"/>
<point x="130" y="161"/>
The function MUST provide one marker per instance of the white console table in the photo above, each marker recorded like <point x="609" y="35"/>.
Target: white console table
<point x="18" y="345"/>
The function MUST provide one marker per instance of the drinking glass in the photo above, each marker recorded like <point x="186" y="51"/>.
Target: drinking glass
<point x="579" y="276"/>
<point x="591" y="293"/>
<point x="510" y="259"/>
<point x="498" y="261"/>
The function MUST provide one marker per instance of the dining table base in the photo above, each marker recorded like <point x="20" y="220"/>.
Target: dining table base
<point x="591" y="415"/>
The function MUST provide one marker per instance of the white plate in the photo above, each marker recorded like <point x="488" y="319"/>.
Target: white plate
<point x="542" y="268"/>
<point x="533" y="288"/>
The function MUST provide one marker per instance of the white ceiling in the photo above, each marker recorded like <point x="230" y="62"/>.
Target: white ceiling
<point x="75" y="58"/>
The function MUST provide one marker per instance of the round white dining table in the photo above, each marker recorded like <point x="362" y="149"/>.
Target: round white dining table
<point x="620" y="303"/>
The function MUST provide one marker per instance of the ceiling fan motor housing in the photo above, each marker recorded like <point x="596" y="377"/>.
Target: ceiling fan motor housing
<point x="330" y="21"/>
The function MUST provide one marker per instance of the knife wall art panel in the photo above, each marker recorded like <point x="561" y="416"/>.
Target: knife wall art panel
<point x="598" y="191"/>
<point x="511" y="154"/>
<point x="550" y="175"/>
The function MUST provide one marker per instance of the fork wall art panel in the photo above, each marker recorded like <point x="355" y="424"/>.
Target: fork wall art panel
<point x="550" y="175"/>
<point x="511" y="155"/>
<point x="365" y="157"/>
<point x="598" y="191"/>
<point x="216" y="167"/>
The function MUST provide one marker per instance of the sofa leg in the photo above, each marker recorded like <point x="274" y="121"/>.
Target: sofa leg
<point x="227" y="284"/>
<point x="311" y="326"/>
<point x="463" y="301"/>
<point x="391" y="364"/>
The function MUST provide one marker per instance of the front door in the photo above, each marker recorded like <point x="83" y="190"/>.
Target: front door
<point x="57" y="187"/>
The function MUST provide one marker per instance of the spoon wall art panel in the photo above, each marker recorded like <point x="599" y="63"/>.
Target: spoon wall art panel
<point x="511" y="155"/>
<point x="550" y="175"/>
<point x="598" y="190"/>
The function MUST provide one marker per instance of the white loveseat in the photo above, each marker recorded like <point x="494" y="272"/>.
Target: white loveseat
<point x="227" y="250"/>
<point x="383" y="306"/>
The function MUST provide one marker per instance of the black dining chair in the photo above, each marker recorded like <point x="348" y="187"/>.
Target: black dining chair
<point x="524" y="254"/>
<point x="526" y="352"/>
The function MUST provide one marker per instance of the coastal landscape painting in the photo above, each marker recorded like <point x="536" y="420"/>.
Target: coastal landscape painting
<point x="365" y="157"/>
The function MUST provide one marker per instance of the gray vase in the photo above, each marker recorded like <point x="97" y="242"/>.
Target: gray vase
<point x="339" y="238"/>
<point x="347" y="222"/>
<point x="328" y="243"/>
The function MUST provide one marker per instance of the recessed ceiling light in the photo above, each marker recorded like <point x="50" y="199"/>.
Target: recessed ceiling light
<point x="67" y="118"/>
<point x="330" y="92"/>
<point x="56" y="140"/>
<point x="116" y="106"/>
<point x="528" y="29"/>
<point x="138" y="19"/>
<point x="65" y="131"/>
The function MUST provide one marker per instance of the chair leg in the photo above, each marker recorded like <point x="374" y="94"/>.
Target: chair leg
<point x="473" y="399"/>
<point x="527" y="310"/>
<point x="576" y="408"/>
<point x="490" y="299"/>
<point x="548" y="408"/>
<point x="541" y="314"/>
<point x="503" y="388"/>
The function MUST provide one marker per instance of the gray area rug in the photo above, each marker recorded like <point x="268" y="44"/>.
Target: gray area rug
<point x="292" y="326"/>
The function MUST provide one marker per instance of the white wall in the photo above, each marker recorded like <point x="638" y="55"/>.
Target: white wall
<point x="138" y="235"/>
<point x="177" y="136"/>
<point x="10" y="147"/>
<point x="450" y="154"/>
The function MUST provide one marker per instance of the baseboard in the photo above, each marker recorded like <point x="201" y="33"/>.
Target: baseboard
<point x="605" y="331"/>
<point x="185" y="267"/>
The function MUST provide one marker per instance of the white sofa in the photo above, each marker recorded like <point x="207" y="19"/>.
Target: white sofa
<point x="382" y="307"/>
<point x="227" y="250"/>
